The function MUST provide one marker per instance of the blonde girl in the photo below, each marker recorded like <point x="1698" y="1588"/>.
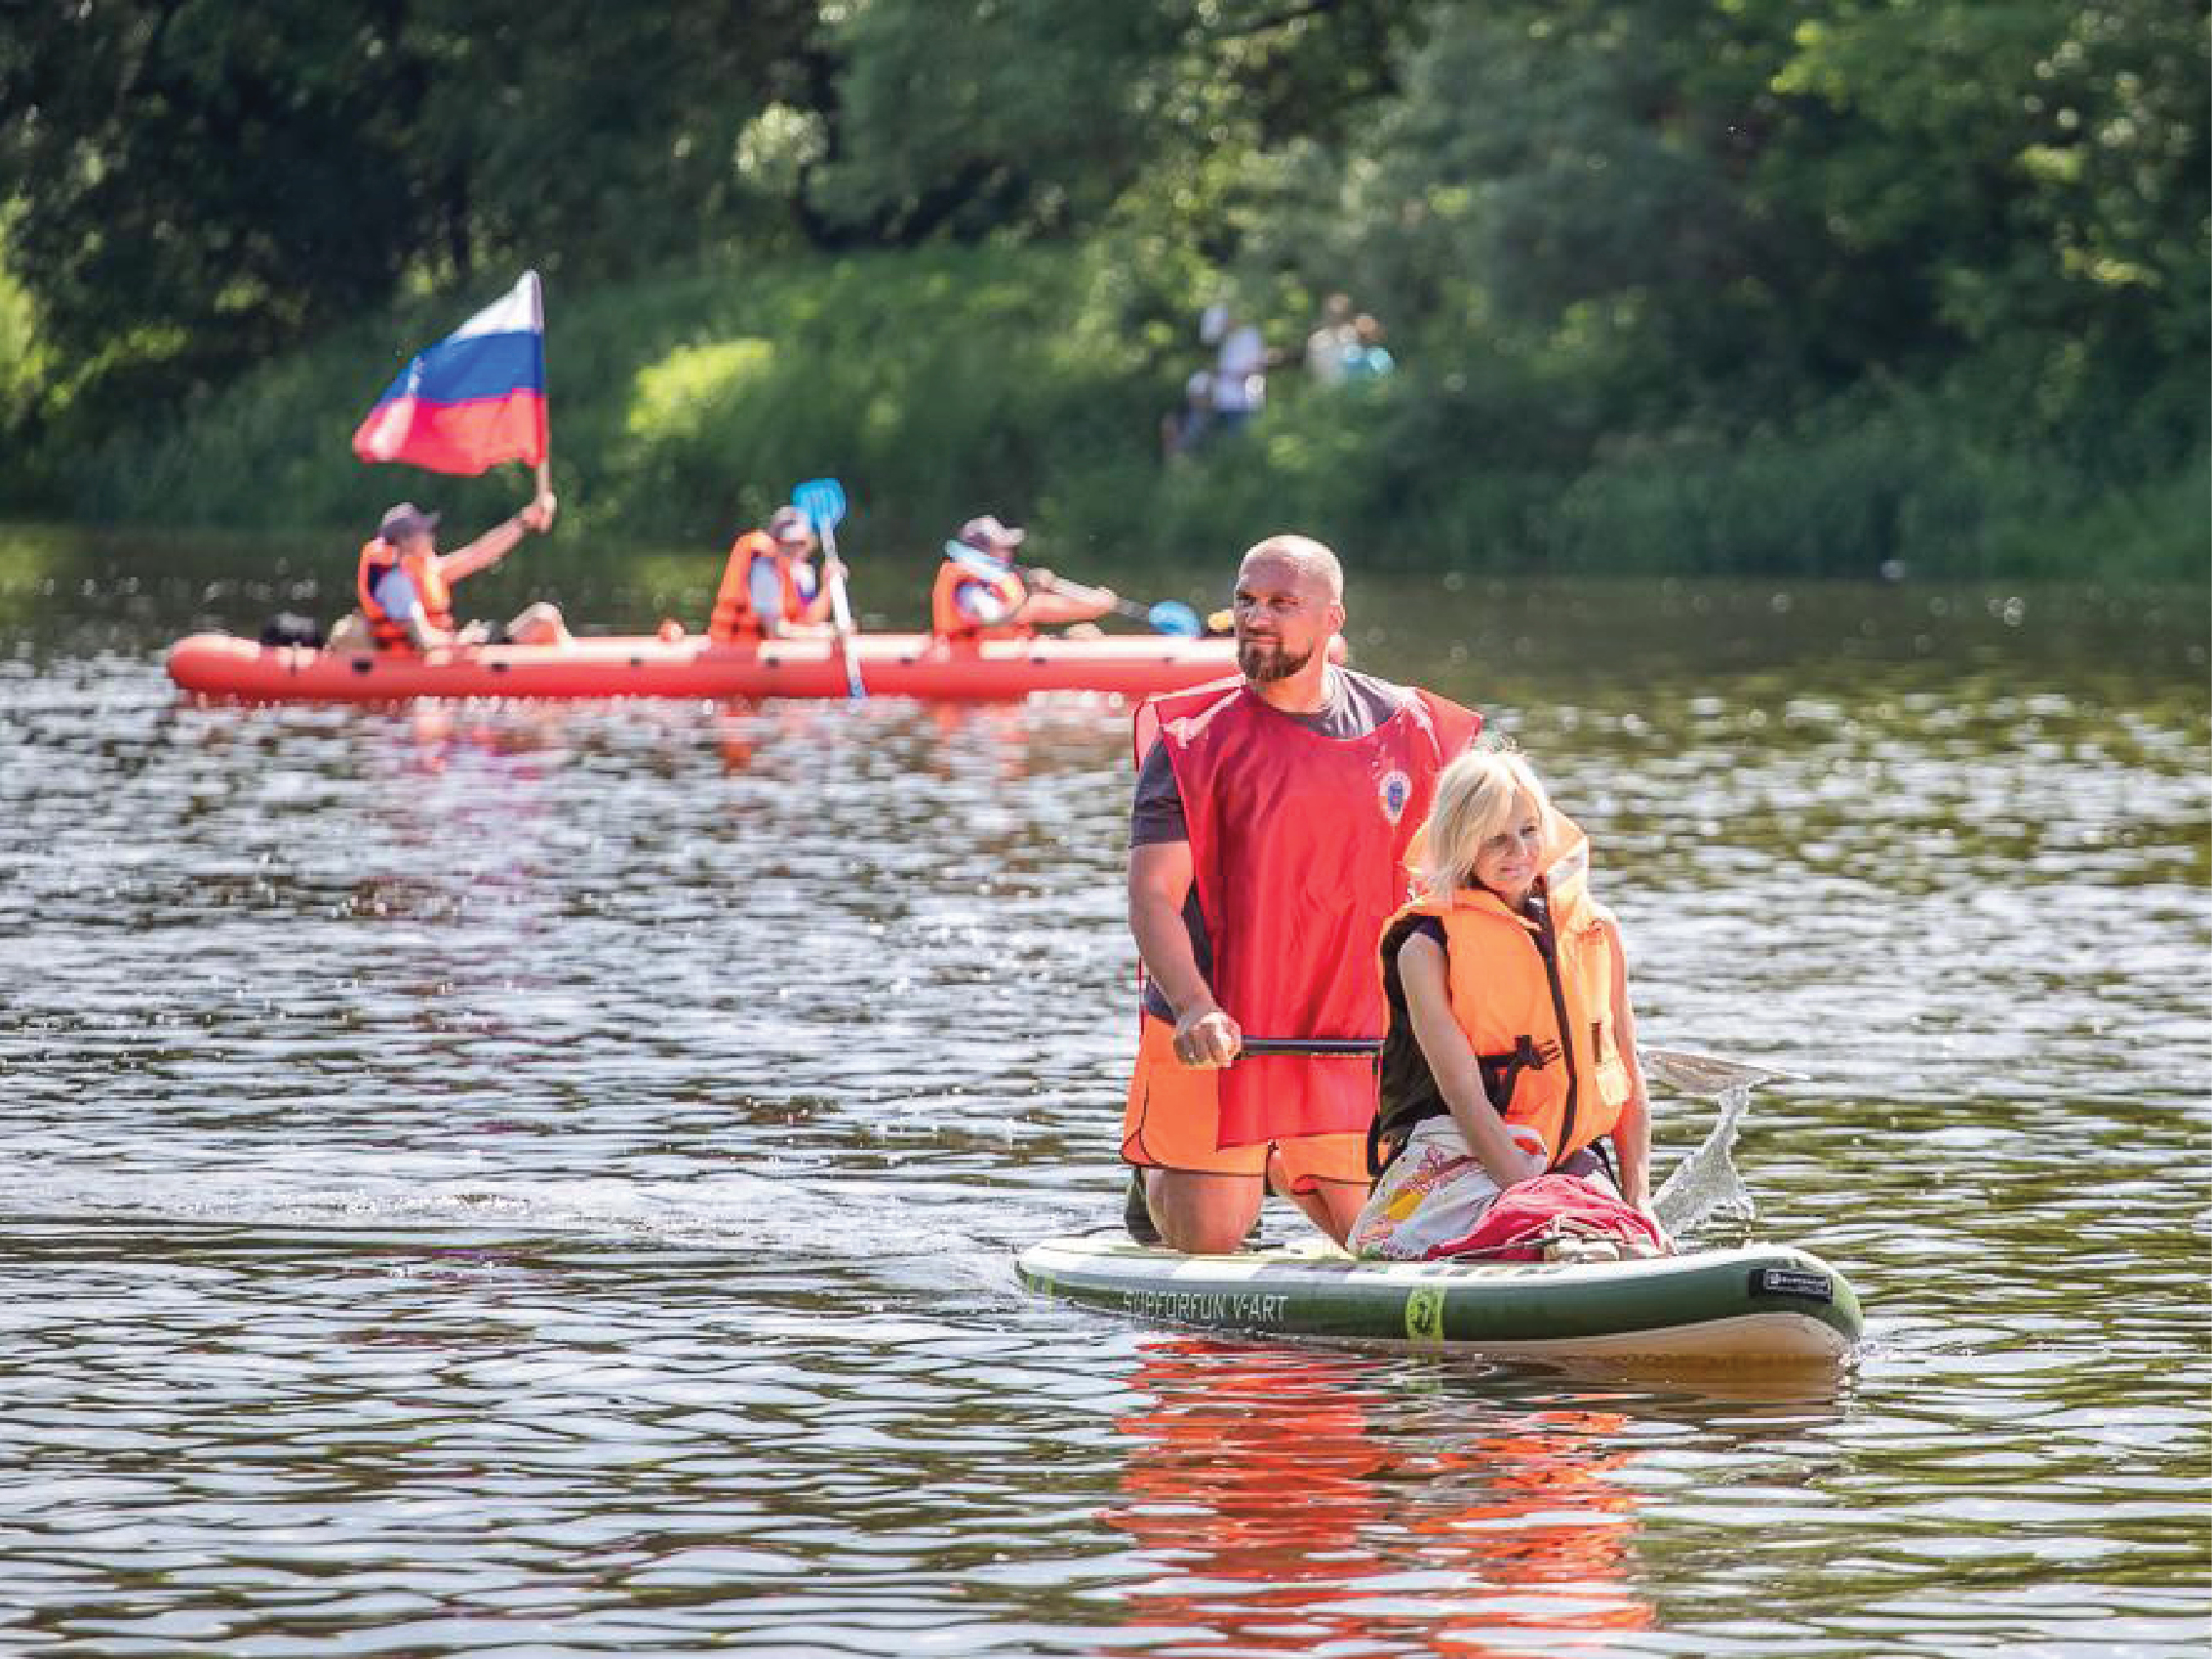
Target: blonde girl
<point x="1509" y="1050"/>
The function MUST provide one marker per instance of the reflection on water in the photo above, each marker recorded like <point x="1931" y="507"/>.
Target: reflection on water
<point x="1289" y="1503"/>
<point x="542" y="1179"/>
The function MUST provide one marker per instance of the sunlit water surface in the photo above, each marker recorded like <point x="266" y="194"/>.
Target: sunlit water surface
<point x="543" y="1181"/>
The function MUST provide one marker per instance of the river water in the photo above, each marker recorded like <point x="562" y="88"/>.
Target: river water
<point x="504" y="1180"/>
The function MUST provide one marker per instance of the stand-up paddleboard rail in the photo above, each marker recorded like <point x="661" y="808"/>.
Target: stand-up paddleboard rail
<point x="1750" y="1305"/>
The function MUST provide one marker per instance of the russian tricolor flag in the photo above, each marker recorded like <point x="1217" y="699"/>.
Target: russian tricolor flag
<point x="475" y="399"/>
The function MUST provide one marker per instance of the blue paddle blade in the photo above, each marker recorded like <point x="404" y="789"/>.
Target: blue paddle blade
<point x="1173" y="617"/>
<point x="822" y="500"/>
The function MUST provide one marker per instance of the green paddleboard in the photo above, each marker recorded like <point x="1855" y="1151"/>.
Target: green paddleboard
<point x="1752" y="1305"/>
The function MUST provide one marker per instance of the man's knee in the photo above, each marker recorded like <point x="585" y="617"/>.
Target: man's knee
<point x="1202" y="1214"/>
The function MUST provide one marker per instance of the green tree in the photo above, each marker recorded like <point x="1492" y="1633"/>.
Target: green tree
<point x="193" y="193"/>
<point x="196" y="193"/>
<point x="970" y="116"/>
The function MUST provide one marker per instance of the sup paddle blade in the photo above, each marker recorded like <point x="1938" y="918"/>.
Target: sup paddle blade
<point x="1173" y="617"/>
<point x="1707" y="1074"/>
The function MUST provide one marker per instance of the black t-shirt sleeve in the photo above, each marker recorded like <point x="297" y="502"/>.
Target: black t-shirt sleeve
<point x="1428" y="926"/>
<point x="1155" y="815"/>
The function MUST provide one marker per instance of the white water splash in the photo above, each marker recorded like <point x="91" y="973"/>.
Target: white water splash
<point x="1706" y="1185"/>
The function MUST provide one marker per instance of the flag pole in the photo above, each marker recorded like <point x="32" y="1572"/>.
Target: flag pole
<point x="546" y="393"/>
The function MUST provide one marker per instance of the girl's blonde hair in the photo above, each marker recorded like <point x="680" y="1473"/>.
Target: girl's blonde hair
<point x="1478" y="797"/>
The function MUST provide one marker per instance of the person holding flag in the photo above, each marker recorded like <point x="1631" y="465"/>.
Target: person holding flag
<point x="475" y="399"/>
<point x="404" y="584"/>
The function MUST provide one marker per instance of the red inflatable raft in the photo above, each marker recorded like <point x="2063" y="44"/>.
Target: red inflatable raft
<point x="898" y="665"/>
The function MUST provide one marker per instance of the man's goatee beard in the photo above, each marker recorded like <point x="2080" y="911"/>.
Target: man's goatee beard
<point x="1263" y="667"/>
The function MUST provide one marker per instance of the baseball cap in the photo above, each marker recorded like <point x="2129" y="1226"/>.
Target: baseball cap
<point x="789" y="524"/>
<point x="406" y="520"/>
<point x="987" y="534"/>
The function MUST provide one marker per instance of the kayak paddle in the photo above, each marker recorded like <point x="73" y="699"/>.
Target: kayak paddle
<point x="822" y="500"/>
<point x="1168" y="617"/>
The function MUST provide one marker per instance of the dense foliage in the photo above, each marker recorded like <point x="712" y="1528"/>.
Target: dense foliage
<point x="1809" y="284"/>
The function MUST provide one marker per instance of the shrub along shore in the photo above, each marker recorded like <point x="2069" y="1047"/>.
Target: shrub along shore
<point x="1779" y="287"/>
<point x="942" y="383"/>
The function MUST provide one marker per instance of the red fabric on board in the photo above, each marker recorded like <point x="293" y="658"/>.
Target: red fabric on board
<point x="1514" y="1228"/>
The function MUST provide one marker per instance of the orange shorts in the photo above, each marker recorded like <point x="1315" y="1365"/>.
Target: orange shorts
<point x="1173" y="1119"/>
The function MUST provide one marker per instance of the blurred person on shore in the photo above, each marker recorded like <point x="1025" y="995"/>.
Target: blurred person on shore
<point x="1182" y="430"/>
<point x="1331" y="341"/>
<point x="1365" y="357"/>
<point x="1240" y="363"/>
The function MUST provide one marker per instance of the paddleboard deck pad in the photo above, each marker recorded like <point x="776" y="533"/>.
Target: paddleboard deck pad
<point x="1750" y="1305"/>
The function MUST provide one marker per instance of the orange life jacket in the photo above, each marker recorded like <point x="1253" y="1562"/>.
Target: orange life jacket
<point x="1535" y="1000"/>
<point x="735" y="620"/>
<point x="948" y="621"/>
<point x="434" y="600"/>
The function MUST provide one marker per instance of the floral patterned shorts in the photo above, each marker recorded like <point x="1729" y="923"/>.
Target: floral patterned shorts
<point x="1433" y="1194"/>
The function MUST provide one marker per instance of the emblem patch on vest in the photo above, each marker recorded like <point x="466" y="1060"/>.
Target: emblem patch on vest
<point x="1395" y="790"/>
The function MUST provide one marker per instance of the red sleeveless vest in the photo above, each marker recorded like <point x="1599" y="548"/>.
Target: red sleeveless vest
<point x="1298" y="846"/>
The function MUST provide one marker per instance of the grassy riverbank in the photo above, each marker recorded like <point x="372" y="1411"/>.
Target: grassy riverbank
<point x="943" y="382"/>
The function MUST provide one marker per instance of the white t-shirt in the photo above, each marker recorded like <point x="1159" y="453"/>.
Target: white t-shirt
<point x="765" y="587"/>
<point x="1239" y="371"/>
<point x="1324" y="352"/>
<point x="394" y="592"/>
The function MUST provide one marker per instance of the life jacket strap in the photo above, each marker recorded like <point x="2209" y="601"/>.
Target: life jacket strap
<point x="1501" y="1073"/>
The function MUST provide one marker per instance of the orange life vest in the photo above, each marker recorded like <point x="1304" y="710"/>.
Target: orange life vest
<point x="432" y="598"/>
<point x="735" y="620"/>
<point x="1535" y="1000"/>
<point x="948" y="621"/>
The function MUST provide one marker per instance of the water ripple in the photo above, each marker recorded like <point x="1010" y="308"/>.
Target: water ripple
<point x="504" y="1180"/>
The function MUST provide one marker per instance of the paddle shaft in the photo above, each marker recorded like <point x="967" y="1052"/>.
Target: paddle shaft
<point x="1148" y="614"/>
<point x="1730" y="1071"/>
<point x="841" y="613"/>
<point x="1079" y="590"/>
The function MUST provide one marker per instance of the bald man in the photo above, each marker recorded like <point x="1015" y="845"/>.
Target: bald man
<point x="1267" y="849"/>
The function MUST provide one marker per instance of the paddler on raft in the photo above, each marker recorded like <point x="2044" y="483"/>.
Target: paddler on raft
<point x="1267" y="848"/>
<point x="404" y="584"/>
<point x="980" y="595"/>
<point x="769" y="588"/>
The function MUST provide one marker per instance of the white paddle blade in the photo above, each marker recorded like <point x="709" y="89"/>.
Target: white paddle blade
<point x="1707" y="1075"/>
